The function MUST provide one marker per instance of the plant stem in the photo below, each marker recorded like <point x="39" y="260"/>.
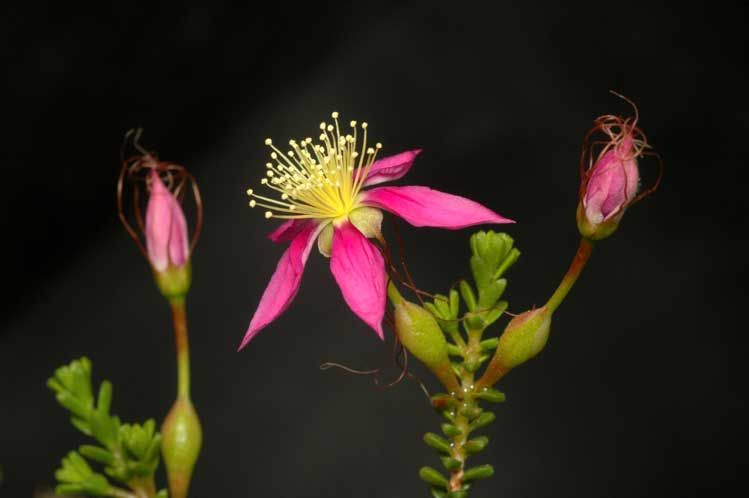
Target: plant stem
<point x="179" y="317"/>
<point x="466" y="403"/>
<point x="578" y="263"/>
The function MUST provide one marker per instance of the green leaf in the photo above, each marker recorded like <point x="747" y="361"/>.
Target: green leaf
<point x="437" y="442"/>
<point x="489" y="344"/>
<point x="450" y="463"/>
<point x="483" y="420"/>
<point x="468" y="296"/>
<point x="454" y="303"/>
<point x="97" y="454"/>
<point x="450" y="430"/>
<point x="433" y="477"/>
<point x="457" y="494"/>
<point x="438" y="493"/>
<point x="75" y="476"/>
<point x="476" y="445"/>
<point x="480" y="472"/>
<point x="492" y="395"/>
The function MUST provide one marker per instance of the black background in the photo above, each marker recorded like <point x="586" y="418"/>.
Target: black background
<point x="638" y="392"/>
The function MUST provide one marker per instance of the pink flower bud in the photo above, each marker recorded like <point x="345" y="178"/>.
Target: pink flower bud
<point x="611" y="178"/>
<point x="613" y="182"/>
<point x="166" y="228"/>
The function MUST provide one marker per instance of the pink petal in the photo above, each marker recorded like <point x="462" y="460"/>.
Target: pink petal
<point x="424" y="207"/>
<point x="359" y="269"/>
<point x="391" y="168"/>
<point x="288" y="230"/>
<point x="284" y="284"/>
<point x="166" y="227"/>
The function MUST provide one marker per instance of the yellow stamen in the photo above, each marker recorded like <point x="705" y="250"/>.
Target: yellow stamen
<point x="320" y="181"/>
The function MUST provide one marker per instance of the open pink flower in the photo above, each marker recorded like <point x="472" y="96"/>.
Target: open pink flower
<point x="320" y="194"/>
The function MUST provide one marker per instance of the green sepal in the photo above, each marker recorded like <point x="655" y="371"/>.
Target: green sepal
<point x="483" y="420"/>
<point x="437" y="442"/>
<point x="480" y="472"/>
<point x="450" y="463"/>
<point x="476" y="445"/>
<point x="433" y="477"/>
<point x="468" y="295"/>
<point x="492" y="395"/>
<point x="450" y="430"/>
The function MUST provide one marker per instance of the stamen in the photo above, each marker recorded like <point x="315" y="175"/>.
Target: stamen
<point x="321" y="180"/>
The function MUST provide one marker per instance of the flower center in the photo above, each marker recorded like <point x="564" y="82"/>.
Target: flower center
<point x="320" y="180"/>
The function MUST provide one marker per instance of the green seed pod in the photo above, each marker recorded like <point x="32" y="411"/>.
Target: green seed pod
<point x="180" y="445"/>
<point x="422" y="336"/>
<point x="524" y="337"/>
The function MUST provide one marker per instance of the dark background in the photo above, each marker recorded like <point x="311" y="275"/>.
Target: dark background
<point x="638" y="391"/>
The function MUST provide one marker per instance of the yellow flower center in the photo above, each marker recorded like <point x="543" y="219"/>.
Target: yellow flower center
<point x="320" y="180"/>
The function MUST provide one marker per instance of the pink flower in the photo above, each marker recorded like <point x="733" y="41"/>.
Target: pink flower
<point x="610" y="183"/>
<point x="166" y="229"/>
<point x="320" y="193"/>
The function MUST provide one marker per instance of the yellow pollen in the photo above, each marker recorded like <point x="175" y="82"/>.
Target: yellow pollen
<point x="317" y="180"/>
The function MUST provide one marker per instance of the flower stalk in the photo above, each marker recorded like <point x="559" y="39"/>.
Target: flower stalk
<point x="579" y="261"/>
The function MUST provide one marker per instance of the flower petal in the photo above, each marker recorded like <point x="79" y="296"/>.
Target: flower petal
<point x="284" y="284"/>
<point x="166" y="227"/>
<point x="391" y="168"/>
<point x="288" y="230"/>
<point x="359" y="270"/>
<point x="424" y="207"/>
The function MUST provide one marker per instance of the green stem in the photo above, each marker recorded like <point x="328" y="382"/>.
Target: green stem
<point x="467" y="402"/>
<point x="578" y="263"/>
<point x="179" y="317"/>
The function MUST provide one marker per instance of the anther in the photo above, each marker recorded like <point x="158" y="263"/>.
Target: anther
<point x="268" y="141"/>
<point x="268" y="215"/>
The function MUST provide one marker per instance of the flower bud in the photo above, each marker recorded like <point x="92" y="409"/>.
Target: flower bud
<point x="167" y="242"/>
<point x="523" y="338"/>
<point x="180" y="445"/>
<point x="609" y="184"/>
<point x="421" y="335"/>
